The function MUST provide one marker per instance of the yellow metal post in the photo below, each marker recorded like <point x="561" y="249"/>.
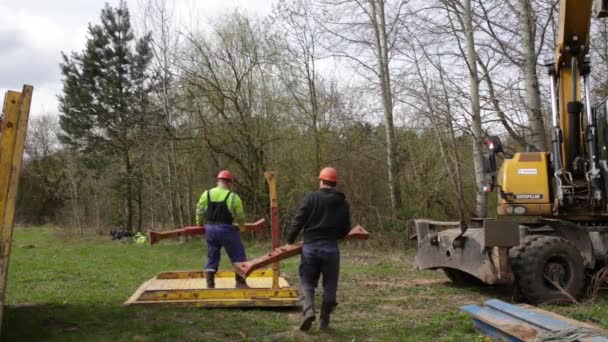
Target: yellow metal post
<point x="271" y="179"/>
<point x="12" y="140"/>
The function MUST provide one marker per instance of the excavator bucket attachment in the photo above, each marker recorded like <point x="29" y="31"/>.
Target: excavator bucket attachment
<point x="479" y="249"/>
<point x="246" y="268"/>
<point x="154" y="237"/>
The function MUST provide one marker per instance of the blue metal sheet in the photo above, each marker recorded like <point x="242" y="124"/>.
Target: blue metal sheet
<point x="531" y="317"/>
<point x="497" y="323"/>
<point x="508" y="322"/>
<point x="490" y="331"/>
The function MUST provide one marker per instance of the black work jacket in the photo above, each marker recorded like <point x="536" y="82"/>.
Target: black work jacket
<point x="322" y="215"/>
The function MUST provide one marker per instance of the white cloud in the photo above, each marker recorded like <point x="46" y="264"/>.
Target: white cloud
<point x="33" y="33"/>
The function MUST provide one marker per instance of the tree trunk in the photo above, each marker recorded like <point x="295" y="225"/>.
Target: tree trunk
<point x="96" y="199"/>
<point x="189" y="181"/>
<point x="381" y="43"/>
<point x="457" y="181"/>
<point x="129" y="193"/>
<point x="312" y="89"/>
<point x="168" y="188"/>
<point x="76" y="207"/>
<point x="481" y="207"/>
<point x="140" y="204"/>
<point x="175" y="184"/>
<point x="527" y="28"/>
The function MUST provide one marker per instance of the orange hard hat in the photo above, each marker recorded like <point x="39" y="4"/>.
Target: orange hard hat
<point x="329" y="174"/>
<point x="225" y="175"/>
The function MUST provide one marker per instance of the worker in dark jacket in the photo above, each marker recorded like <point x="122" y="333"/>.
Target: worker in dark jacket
<point x="219" y="208"/>
<point x="324" y="218"/>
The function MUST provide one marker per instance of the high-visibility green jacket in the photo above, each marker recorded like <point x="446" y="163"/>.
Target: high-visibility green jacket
<point x="218" y="194"/>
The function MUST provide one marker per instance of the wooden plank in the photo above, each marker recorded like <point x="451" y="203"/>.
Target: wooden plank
<point x="193" y="292"/>
<point x="201" y="274"/>
<point x="216" y="294"/>
<point x="288" y="251"/>
<point x="12" y="143"/>
<point x="224" y="303"/>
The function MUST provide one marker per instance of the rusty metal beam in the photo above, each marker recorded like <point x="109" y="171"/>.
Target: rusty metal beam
<point x="271" y="179"/>
<point x="154" y="236"/>
<point x="245" y="268"/>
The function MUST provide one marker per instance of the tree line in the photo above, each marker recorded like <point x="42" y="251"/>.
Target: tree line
<point x="399" y="95"/>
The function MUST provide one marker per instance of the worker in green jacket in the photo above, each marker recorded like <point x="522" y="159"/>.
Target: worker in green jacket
<point x="218" y="210"/>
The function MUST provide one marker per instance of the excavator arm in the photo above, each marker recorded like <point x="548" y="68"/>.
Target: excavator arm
<point x="571" y="48"/>
<point x="568" y="183"/>
<point x="574" y="139"/>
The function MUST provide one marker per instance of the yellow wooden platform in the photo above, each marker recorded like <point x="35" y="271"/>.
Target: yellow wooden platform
<point x="189" y="288"/>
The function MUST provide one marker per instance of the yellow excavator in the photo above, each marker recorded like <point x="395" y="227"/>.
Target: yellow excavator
<point x="559" y="197"/>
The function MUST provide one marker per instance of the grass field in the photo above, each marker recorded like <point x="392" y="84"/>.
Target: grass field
<point x="68" y="289"/>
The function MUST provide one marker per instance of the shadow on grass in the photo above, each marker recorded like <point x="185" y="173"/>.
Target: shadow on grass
<point x="31" y="322"/>
<point x="55" y="321"/>
<point x="503" y="292"/>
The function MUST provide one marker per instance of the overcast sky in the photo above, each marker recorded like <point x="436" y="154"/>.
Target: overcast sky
<point x="34" y="32"/>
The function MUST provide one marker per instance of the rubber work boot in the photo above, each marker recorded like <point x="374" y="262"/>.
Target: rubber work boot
<point x="326" y="310"/>
<point x="241" y="283"/>
<point x="308" y="310"/>
<point x="210" y="277"/>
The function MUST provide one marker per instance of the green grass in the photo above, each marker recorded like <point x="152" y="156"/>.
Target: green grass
<point x="73" y="289"/>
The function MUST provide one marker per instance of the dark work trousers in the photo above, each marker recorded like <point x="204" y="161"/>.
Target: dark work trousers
<point x="321" y="258"/>
<point x="223" y="235"/>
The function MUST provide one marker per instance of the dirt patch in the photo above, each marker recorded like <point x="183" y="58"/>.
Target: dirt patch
<point x="361" y="259"/>
<point x="404" y="283"/>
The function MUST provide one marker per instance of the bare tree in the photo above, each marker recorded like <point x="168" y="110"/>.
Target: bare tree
<point x="520" y="48"/>
<point x="528" y="42"/>
<point x="160" y="21"/>
<point x="226" y="77"/>
<point x="299" y="69"/>
<point x="362" y="31"/>
<point x="462" y="12"/>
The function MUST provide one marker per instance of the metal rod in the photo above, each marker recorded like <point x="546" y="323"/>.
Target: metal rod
<point x="554" y="108"/>
<point x="575" y="78"/>
<point x="574" y="121"/>
<point x="587" y="84"/>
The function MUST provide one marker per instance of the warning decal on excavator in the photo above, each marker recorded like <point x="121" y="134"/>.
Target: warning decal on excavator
<point x="527" y="171"/>
<point x="529" y="196"/>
